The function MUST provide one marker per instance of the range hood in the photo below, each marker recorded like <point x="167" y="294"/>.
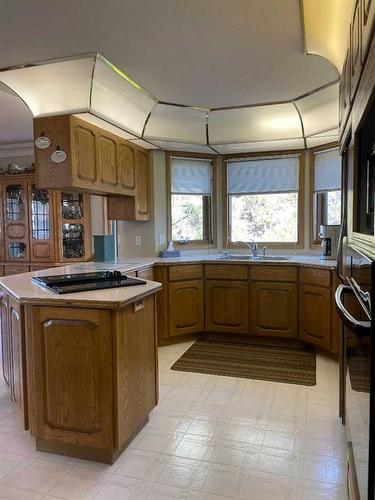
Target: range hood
<point x="92" y="87"/>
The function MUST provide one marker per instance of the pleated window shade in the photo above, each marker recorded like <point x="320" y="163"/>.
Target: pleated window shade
<point x="190" y="176"/>
<point x="327" y="170"/>
<point x="263" y="175"/>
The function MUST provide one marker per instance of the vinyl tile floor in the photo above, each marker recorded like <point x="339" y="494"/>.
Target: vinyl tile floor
<point x="209" y="438"/>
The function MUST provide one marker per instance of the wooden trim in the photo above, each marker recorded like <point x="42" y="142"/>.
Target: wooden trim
<point x="194" y="244"/>
<point x="313" y="241"/>
<point x="301" y="199"/>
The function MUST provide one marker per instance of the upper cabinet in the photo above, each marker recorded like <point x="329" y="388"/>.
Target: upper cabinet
<point x="368" y="16"/>
<point x="355" y="47"/>
<point x="97" y="162"/>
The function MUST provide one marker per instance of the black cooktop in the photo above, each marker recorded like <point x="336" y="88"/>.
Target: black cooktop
<point x="84" y="282"/>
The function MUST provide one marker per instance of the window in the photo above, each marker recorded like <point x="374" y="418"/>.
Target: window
<point x="263" y="200"/>
<point x="191" y="212"/>
<point x="326" y="190"/>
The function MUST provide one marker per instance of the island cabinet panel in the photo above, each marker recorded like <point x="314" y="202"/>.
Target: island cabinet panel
<point x="135" y="367"/>
<point x="227" y="306"/>
<point x="73" y="359"/>
<point x="315" y="315"/>
<point x="18" y="383"/>
<point x="274" y="309"/>
<point x="5" y="339"/>
<point x="186" y="307"/>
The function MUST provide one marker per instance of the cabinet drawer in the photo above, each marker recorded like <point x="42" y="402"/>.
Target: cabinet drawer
<point x="273" y="273"/>
<point x="226" y="272"/>
<point x="185" y="272"/>
<point x="319" y="277"/>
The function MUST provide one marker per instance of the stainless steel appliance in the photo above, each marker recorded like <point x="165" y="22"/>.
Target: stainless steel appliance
<point x="329" y="236"/>
<point x="83" y="282"/>
<point x="354" y="299"/>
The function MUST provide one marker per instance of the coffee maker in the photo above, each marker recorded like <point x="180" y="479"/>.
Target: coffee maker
<point x="329" y="236"/>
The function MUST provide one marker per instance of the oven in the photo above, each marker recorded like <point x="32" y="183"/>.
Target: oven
<point x="354" y="297"/>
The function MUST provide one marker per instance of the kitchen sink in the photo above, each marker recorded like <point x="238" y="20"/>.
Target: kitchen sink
<point x="258" y="258"/>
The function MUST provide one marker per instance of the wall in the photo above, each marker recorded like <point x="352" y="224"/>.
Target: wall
<point x="154" y="233"/>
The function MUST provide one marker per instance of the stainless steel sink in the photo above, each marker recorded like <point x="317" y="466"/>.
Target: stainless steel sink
<point x="258" y="258"/>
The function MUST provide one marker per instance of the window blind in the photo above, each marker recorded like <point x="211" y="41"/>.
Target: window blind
<point x="190" y="176"/>
<point x="327" y="170"/>
<point x="263" y="175"/>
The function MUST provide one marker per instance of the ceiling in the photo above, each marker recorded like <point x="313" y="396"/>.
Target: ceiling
<point x="211" y="53"/>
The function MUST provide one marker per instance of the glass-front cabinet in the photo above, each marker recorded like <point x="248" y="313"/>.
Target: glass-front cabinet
<point x="41" y="226"/>
<point x="74" y="226"/>
<point x="16" y="221"/>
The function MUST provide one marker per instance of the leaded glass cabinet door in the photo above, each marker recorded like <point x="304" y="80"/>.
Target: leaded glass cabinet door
<point x="41" y="224"/>
<point x="16" y="223"/>
<point x="74" y="226"/>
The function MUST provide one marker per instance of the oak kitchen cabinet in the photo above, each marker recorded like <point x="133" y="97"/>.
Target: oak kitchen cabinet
<point x="226" y="306"/>
<point x="87" y="380"/>
<point x="315" y="307"/>
<point x="281" y="301"/>
<point x="186" y="307"/>
<point x="274" y="309"/>
<point x="41" y="227"/>
<point x="98" y="162"/>
<point x="226" y="298"/>
<point x="185" y="299"/>
<point x="274" y="301"/>
<point x="5" y="339"/>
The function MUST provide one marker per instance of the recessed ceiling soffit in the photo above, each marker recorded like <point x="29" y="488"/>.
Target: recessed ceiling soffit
<point x="97" y="90"/>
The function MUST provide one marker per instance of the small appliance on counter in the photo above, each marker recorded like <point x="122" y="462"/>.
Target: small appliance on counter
<point x="329" y="236"/>
<point x="84" y="282"/>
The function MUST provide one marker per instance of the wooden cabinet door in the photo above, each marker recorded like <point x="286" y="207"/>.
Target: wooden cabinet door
<point x="273" y="309"/>
<point x="227" y="306"/>
<point x="84" y="154"/>
<point x="185" y="307"/>
<point x="315" y="315"/>
<point x="16" y="221"/>
<point x="41" y="224"/>
<point x="107" y="160"/>
<point x="344" y="92"/>
<point x="142" y="186"/>
<point x="73" y="359"/>
<point x="368" y="17"/>
<point x="355" y="47"/>
<point x="5" y="339"/>
<point x="126" y="167"/>
<point x="18" y="360"/>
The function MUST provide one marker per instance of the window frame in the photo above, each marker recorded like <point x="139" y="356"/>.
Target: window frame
<point x="314" y="241"/>
<point x="301" y="198"/>
<point x="193" y="244"/>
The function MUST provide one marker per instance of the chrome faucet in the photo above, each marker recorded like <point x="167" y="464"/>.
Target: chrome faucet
<point x="252" y="245"/>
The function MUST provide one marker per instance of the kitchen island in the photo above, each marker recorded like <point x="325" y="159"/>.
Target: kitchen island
<point x="82" y="367"/>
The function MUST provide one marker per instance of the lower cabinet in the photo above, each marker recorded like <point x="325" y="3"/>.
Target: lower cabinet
<point x="73" y="359"/>
<point x="227" y="306"/>
<point x="186" y="306"/>
<point x="274" y="309"/>
<point x="5" y="339"/>
<point x="17" y="360"/>
<point x="315" y="315"/>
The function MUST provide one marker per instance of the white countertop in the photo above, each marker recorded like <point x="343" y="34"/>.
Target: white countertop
<point x="21" y="288"/>
<point x="24" y="291"/>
